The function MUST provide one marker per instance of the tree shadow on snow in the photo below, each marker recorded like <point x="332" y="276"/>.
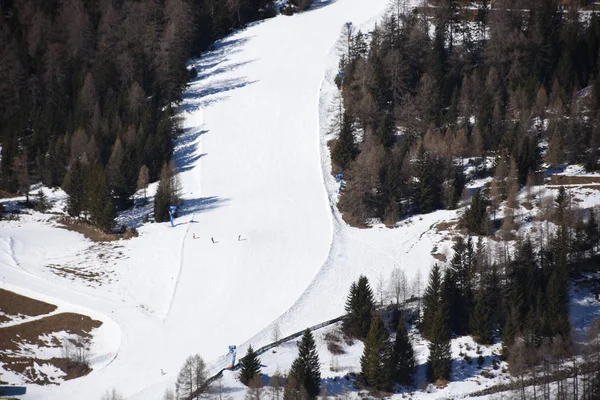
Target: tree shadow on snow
<point x="321" y="4"/>
<point x="200" y="205"/>
<point x="195" y="98"/>
<point x="185" y="153"/>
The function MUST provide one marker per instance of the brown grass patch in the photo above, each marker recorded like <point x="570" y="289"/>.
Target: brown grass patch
<point x="12" y="337"/>
<point x="574" y="180"/>
<point x="93" y="233"/>
<point x="446" y="226"/>
<point x="439" y="256"/>
<point x="72" y="273"/>
<point x="14" y="304"/>
<point x="87" y="230"/>
<point x="30" y="332"/>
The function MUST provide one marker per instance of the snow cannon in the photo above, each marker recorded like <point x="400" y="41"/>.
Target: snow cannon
<point x="172" y="214"/>
<point x="349" y="29"/>
<point x="341" y="79"/>
<point x="232" y="353"/>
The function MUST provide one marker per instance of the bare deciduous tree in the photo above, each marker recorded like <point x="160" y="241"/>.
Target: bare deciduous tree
<point x="398" y="286"/>
<point x="112" y="394"/>
<point x="191" y="377"/>
<point x="276" y="385"/>
<point x="169" y="394"/>
<point x="255" y="389"/>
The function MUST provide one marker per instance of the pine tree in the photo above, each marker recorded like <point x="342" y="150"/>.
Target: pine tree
<point x="475" y="216"/>
<point x="439" y="363"/>
<point x="250" y="366"/>
<point x="42" y="201"/>
<point x="75" y="188"/>
<point x="167" y="193"/>
<point x="592" y="234"/>
<point x="431" y="301"/>
<point x="424" y="200"/>
<point x="345" y="149"/>
<point x="305" y="370"/>
<point x="509" y="333"/>
<point x="560" y="205"/>
<point x="375" y="361"/>
<point x="403" y="362"/>
<point x="481" y="324"/>
<point x="359" y="306"/>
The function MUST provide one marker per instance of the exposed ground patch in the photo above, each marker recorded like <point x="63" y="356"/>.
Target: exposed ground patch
<point x="14" y="306"/>
<point x="21" y="347"/>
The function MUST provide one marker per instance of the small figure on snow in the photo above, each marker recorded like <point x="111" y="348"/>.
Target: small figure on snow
<point x="194" y="235"/>
<point x="239" y="237"/>
<point x="212" y="240"/>
<point x="162" y="372"/>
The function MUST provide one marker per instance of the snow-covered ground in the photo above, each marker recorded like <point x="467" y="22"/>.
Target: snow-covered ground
<point x="256" y="179"/>
<point x="251" y="167"/>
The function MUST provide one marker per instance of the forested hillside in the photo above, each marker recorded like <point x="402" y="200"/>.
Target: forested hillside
<point x="87" y="90"/>
<point x="434" y="85"/>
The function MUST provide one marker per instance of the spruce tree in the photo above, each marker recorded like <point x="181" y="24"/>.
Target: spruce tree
<point x="475" y="216"/>
<point x="439" y="363"/>
<point x="345" y="149"/>
<point x="75" y="188"/>
<point x="359" y="306"/>
<point x="250" y="366"/>
<point x="375" y="361"/>
<point x="167" y="193"/>
<point x="403" y="362"/>
<point x="305" y="370"/>
<point x="431" y="301"/>
<point x="592" y="234"/>
<point x="481" y="324"/>
<point x="42" y="202"/>
<point x="424" y="200"/>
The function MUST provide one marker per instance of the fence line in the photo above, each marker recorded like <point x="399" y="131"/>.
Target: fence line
<point x="263" y="350"/>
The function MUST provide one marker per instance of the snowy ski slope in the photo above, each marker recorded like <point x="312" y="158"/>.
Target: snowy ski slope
<point x="253" y="166"/>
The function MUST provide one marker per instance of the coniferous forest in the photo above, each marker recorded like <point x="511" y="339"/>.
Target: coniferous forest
<point x="431" y="85"/>
<point x="88" y="88"/>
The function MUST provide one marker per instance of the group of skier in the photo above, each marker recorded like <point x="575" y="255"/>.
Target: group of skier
<point x="212" y="239"/>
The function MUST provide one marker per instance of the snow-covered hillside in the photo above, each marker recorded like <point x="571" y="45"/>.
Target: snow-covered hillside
<point x="251" y="168"/>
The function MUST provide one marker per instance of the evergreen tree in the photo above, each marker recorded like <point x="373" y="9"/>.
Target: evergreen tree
<point x="592" y="234"/>
<point x="250" y="366"/>
<point x="475" y="216"/>
<point x="432" y="299"/>
<point x="167" y="193"/>
<point x="509" y="333"/>
<point x="425" y="192"/>
<point x="458" y="283"/>
<point x="376" y="358"/>
<point x="98" y="199"/>
<point x="359" y="306"/>
<point x="345" y="149"/>
<point x="74" y="187"/>
<point x="42" y="202"/>
<point x="481" y="323"/>
<point x="403" y="362"/>
<point x="305" y="370"/>
<point x="560" y="205"/>
<point x="439" y="363"/>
